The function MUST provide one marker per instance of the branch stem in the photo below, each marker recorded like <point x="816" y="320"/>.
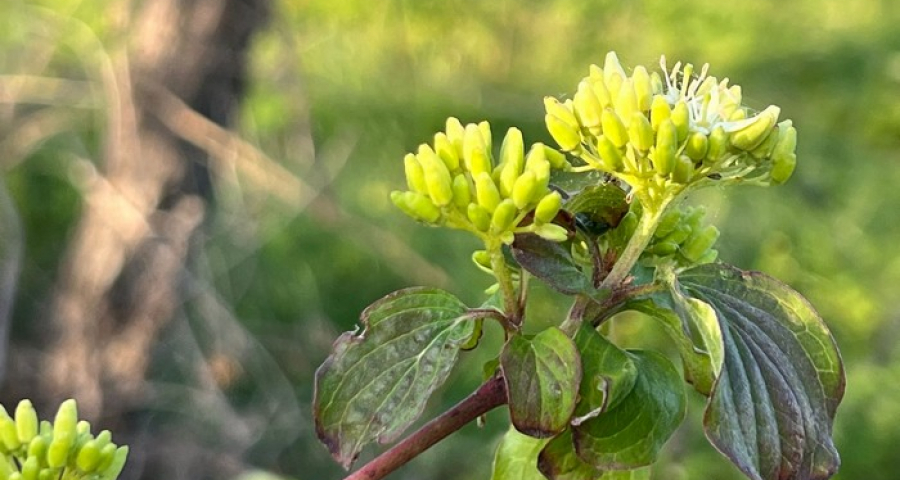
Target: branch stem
<point x="489" y="395"/>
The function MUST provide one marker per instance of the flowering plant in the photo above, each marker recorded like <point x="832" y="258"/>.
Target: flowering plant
<point x="602" y="221"/>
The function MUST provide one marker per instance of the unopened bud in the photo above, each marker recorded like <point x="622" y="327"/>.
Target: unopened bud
<point x="503" y="216"/>
<point x="640" y="132"/>
<point x="524" y="190"/>
<point x="613" y="128"/>
<point x="485" y="129"/>
<point x="30" y="469"/>
<point x="698" y="244"/>
<point x="415" y="176"/>
<point x="626" y="102"/>
<point x="587" y="107"/>
<point x="718" y="144"/>
<point x="565" y="135"/>
<point x="446" y="151"/>
<point x="666" y="146"/>
<point x="684" y="170"/>
<point x="610" y="155"/>
<point x="668" y="222"/>
<point x="512" y="150"/>
<point x="613" y="74"/>
<point x="548" y="207"/>
<point x="787" y="139"/>
<point x="642" y="88"/>
<point x="462" y="192"/>
<point x="479" y="216"/>
<point x="557" y="159"/>
<point x="117" y="465"/>
<point x="660" y="111"/>
<point x="750" y="136"/>
<point x="486" y="193"/>
<point x="8" y="433"/>
<point x="552" y="232"/>
<point x="475" y="152"/>
<point x="26" y="421"/>
<point x="560" y="111"/>
<point x="416" y="205"/>
<point x="697" y="145"/>
<point x="456" y="134"/>
<point x="536" y="162"/>
<point x="783" y="167"/>
<point x="601" y="92"/>
<point x="437" y="177"/>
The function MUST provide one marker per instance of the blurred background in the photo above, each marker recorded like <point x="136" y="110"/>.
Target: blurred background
<point x="194" y="202"/>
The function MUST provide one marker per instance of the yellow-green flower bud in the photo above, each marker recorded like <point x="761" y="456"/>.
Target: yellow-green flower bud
<point x="15" y="476"/>
<point x="30" y="469"/>
<point x="512" y="150"/>
<point x="38" y="447"/>
<point x="58" y="450"/>
<point x="666" y="147"/>
<point x="437" y="177"/>
<point x="88" y="457"/>
<point x="486" y="193"/>
<point x="610" y="155"/>
<point x="684" y="170"/>
<point x="681" y="118"/>
<point x="642" y="88"/>
<point x="587" y="107"/>
<point x="479" y="216"/>
<point x="415" y="176"/>
<point x="718" y="144"/>
<point x="750" y="136"/>
<point x="103" y="438"/>
<point x="640" y="132"/>
<point x="595" y="72"/>
<point x="118" y="463"/>
<point x="8" y="433"/>
<point x="503" y="216"/>
<point x="416" y="205"/>
<point x="697" y="245"/>
<point x="613" y="128"/>
<point x="561" y="111"/>
<point x="660" y="111"/>
<point x="656" y="83"/>
<point x="613" y="74"/>
<point x="536" y="162"/>
<point x="26" y="421"/>
<point x="462" y="192"/>
<point x="5" y="468"/>
<point x="485" y="128"/>
<point x="667" y="223"/>
<point x="552" y="232"/>
<point x="556" y="158"/>
<point x="524" y="190"/>
<point x="738" y="115"/>
<point x="456" y="134"/>
<point x="765" y="149"/>
<point x="83" y="427"/>
<point x="446" y="151"/>
<point x="663" y="248"/>
<point x="475" y="153"/>
<point x="548" y="207"/>
<point x="783" y="167"/>
<point x="697" y="145"/>
<point x="626" y="101"/>
<point x="678" y="235"/>
<point x="601" y="92"/>
<point x="787" y="139"/>
<point x="566" y="136"/>
<point x="107" y="455"/>
<point x="66" y="419"/>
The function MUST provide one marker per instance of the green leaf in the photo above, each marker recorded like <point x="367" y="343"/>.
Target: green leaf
<point x="635" y="474"/>
<point x="558" y="460"/>
<point x="696" y="332"/>
<point x="631" y="434"/>
<point x="551" y="262"/>
<point x="597" y="208"/>
<point x="542" y="375"/>
<point x="773" y="404"/>
<point x="516" y="457"/>
<point x="608" y="374"/>
<point x="376" y="383"/>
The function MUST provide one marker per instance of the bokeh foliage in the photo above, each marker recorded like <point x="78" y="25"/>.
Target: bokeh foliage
<point x="341" y="90"/>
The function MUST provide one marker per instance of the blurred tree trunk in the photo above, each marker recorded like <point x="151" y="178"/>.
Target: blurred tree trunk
<point x="122" y="278"/>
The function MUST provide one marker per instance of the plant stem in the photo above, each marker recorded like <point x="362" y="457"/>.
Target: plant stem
<point x="643" y="233"/>
<point x="510" y="299"/>
<point x="490" y="394"/>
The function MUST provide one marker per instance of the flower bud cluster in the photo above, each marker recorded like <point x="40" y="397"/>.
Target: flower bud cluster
<point x="40" y="450"/>
<point x="680" y="238"/>
<point x="652" y="129"/>
<point x="457" y="182"/>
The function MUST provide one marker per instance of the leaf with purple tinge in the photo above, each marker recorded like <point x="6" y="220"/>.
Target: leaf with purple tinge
<point x="375" y="384"/>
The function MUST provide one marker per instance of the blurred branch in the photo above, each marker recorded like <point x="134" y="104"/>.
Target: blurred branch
<point x="10" y="261"/>
<point x="41" y="90"/>
<point x="231" y="151"/>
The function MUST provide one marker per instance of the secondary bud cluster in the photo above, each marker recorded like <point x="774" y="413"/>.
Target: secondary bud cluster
<point x="681" y="237"/>
<point x="670" y="128"/>
<point x="456" y="182"/>
<point x="33" y="450"/>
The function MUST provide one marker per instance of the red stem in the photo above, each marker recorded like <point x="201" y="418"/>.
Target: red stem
<point x="489" y="395"/>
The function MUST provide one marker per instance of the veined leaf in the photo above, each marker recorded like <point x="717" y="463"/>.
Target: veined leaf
<point x="773" y="404"/>
<point x="608" y="374"/>
<point x="558" y="460"/>
<point x="542" y="375"/>
<point x="551" y="262"/>
<point x="631" y="434"/>
<point x="516" y="457"/>
<point x="376" y="383"/>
